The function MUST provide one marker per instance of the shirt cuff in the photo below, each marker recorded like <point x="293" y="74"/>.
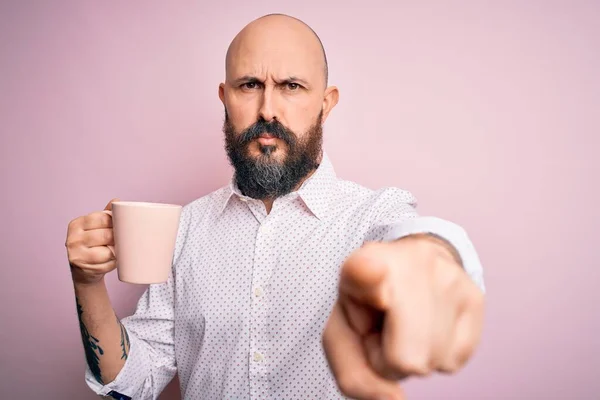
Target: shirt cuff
<point x="131" y="377"/>
<point x="449" y="231"/>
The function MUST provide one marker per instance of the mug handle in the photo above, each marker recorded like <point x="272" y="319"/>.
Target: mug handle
<point x="112" y="248"/>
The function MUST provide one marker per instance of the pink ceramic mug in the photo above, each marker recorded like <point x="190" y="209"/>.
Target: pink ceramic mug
<point x="145" y="235"/>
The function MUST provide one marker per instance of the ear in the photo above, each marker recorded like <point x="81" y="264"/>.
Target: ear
<point x="330" y="99"/>
<point x="222" y="93"/>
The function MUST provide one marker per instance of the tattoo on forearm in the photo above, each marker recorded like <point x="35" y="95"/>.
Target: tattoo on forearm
<point x="124" y="340"/>
<point x="91" y="345"/>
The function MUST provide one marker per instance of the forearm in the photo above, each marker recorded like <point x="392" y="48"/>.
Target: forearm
<point x="105" y="340"/>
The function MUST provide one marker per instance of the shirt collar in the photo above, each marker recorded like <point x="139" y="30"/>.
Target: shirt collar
<point x="315" y="192"/>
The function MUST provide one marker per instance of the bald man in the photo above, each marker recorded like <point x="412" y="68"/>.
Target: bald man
<point x="289" y="282"/>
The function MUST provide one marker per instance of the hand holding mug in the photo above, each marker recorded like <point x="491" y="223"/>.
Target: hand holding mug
<point x="88" y="241"/>
<point x="141" y="235"/>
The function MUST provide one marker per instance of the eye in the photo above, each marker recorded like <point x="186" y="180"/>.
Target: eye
<point x="250" y="85"/>
<point x="293" y="86"/>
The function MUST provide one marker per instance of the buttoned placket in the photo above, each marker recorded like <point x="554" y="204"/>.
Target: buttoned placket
<point x="262" y="268"/>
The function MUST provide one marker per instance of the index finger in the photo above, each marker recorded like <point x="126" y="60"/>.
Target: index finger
<point x="97" y="220"/>
<point x="348" y="362"/>
<point x="109" y="205"/>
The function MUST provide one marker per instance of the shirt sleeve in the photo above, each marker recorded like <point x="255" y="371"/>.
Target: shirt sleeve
<point x="396" y="216"/>
<point x="151" y="364"/>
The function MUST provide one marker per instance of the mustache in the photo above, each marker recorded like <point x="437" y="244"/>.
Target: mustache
<point x="274" y="128"/>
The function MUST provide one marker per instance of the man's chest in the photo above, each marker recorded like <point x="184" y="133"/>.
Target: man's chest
<point x="280" y="271"/>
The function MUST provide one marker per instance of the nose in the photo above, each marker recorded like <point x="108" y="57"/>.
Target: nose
<point x="267" y="107"/>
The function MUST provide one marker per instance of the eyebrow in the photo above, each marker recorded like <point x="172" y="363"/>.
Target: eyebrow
<point x="295" y="79"/>
<point x="246" y="79"/>
<point x="254" y="79"/>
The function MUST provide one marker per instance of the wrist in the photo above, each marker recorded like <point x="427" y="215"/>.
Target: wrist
<point x="83" y="280"/>
<point x="440" y="245"/>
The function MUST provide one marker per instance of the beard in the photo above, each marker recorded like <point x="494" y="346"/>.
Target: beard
<point x="265" y="176"/>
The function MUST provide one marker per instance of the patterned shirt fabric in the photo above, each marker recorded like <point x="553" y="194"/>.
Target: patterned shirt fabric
<point x="243" y="311"/>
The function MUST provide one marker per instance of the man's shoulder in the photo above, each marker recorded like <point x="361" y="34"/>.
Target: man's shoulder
<point x="376" y="207"/>
<point x="353" y="192"/>
<point x="208" y="202"/>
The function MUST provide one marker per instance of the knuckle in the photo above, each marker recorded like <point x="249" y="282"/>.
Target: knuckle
<point x="74" y="225"/>
<point x="94" y="220"/>
<point x="85" y="220"/>
<point x="418" y="368"/>
<point x="415" y="365"/>
<point x="73" y="241"/>
<point x="104" y="217"/>
<point x="100" y="219"/>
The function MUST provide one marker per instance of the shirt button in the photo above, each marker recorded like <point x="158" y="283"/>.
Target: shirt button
<point x="258" y="357"/>
<point x="258" y="291"/>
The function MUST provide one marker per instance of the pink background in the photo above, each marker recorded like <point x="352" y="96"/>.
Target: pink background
<point x="489" y="114"/>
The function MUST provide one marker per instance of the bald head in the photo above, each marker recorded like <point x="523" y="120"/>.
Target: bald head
<point x="277" y="42"/>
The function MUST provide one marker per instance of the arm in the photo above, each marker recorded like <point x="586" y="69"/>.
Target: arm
<point x="405" y="306"/>
<point x="134" y="357"/>
<point x="105" y="339"/>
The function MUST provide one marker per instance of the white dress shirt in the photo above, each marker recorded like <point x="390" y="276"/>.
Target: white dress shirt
<point x="242" y="314"/>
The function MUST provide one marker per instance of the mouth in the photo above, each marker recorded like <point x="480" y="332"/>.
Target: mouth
<point x="267" y="140"/>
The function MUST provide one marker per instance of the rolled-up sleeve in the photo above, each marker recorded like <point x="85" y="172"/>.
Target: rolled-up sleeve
<point x="132" y="375"/>
<point x="395" y="216"/>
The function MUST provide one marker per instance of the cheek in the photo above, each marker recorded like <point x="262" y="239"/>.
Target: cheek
<point x="301" y="119"/>
<point x="242" y="110"/>
<point x="240" y="118"/>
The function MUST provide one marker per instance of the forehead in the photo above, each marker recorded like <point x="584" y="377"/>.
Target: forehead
<point x="281" y="51"/>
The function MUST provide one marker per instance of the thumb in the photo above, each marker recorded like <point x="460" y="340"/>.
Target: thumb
<point x="109" y="205"/>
